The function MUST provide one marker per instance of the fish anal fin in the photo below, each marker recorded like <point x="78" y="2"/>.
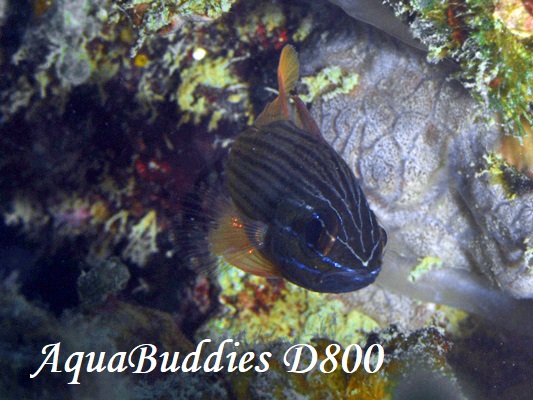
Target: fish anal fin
<point x="304" y="120"/>
<point x="237" y="240"/>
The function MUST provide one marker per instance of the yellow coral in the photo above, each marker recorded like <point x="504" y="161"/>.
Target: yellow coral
<point x="425" y="265"/>
<point x="208" y="76"/>
<point x="142" y="239"/>
<point x="328" y="83"/>
<point x="266" y="310"/>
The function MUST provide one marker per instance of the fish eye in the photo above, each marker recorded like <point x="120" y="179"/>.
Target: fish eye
<point x="383" y="237"/>
<point x="317" y="236"/>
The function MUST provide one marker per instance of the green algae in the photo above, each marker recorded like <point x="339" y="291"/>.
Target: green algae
<point x="496" y="64"/>
<point x="426" y="264"/>
<point x="213" y="76"/>
<point x="328" y="83"/>
<point x="159" y="13"/>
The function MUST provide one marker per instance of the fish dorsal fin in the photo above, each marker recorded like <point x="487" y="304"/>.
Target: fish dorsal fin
<point x="288" y="72"/>
<point x="304" y="120"/>
<point x="237" y="239"/>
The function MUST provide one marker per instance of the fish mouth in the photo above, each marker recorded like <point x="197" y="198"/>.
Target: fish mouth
<point x="337" y="279"/>
<point x="345" y="280"/>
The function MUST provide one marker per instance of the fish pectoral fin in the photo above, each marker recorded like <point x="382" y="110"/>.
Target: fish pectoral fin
<point x="238" y="239"/>
<point x="304" y="120"/>
<point x="253" y="262"/>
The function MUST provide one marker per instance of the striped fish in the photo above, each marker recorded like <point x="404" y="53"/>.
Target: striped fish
<point x="296" y="210"/>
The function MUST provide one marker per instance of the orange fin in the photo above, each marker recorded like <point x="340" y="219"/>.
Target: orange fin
<point x="288" y="72"/>
<point x="304" y="120"/>
<point x="237" y="239"/>
<point x="288" y="69"/>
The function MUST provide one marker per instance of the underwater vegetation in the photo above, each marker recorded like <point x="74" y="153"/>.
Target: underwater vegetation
<point x="164" y="16"/>
<point x="491" y="40"/>
<point x="114" y="114"/>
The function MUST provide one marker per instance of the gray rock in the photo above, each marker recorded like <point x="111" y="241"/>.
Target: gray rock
<point x="417" y="142"/>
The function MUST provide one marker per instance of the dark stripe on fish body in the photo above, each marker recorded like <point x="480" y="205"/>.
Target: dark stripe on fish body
<point x="263" y="170"/>
<point x="279" y="178"/>
<point x="302" y="150"/>
<point x="261" y="203"/>
<point x="245" y="190"/>
<point x="294" y="172"/>
<point x="273" y="158"/>
<point x="323" y="160"/>
<point x="282" y="160"/>
<point x="328" y="162"/>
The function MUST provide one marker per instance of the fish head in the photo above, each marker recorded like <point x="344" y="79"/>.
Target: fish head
<point x="317" y="246"/>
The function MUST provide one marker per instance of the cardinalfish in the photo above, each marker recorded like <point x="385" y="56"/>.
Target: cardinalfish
<point x="296" y="209"/>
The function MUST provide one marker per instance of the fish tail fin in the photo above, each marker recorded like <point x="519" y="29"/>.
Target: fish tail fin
<point x="288" y="73"/>
<point x="288" y="70"/>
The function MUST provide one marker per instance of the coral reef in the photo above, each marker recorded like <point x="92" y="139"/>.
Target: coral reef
<point x="491" y="40"/>
<point x="261" y="310"/>
<point x="115" y="327"/>
<point x="114" y="113"/>
<point x="156" y="16"/>
<point x="406" y="354"/>
<point x="328" y="83"/>
<point x="108" y="277"/>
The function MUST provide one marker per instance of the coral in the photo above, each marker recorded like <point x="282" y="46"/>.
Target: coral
<point x="426" y="265"/>
<point x="142" y="239"/>
<point x="65" y="51"/>
<point x="208" y="79"/>
<point x="265" y="310"/>
<point x="122" y="218"/>
<point x="26" y="213"/>
<point x="492" y="44"/>
<point x="406" y="354"/>
<point x="260" y="310"/>
<point x="105" y="278"/>
<point x="156" y="15"/>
